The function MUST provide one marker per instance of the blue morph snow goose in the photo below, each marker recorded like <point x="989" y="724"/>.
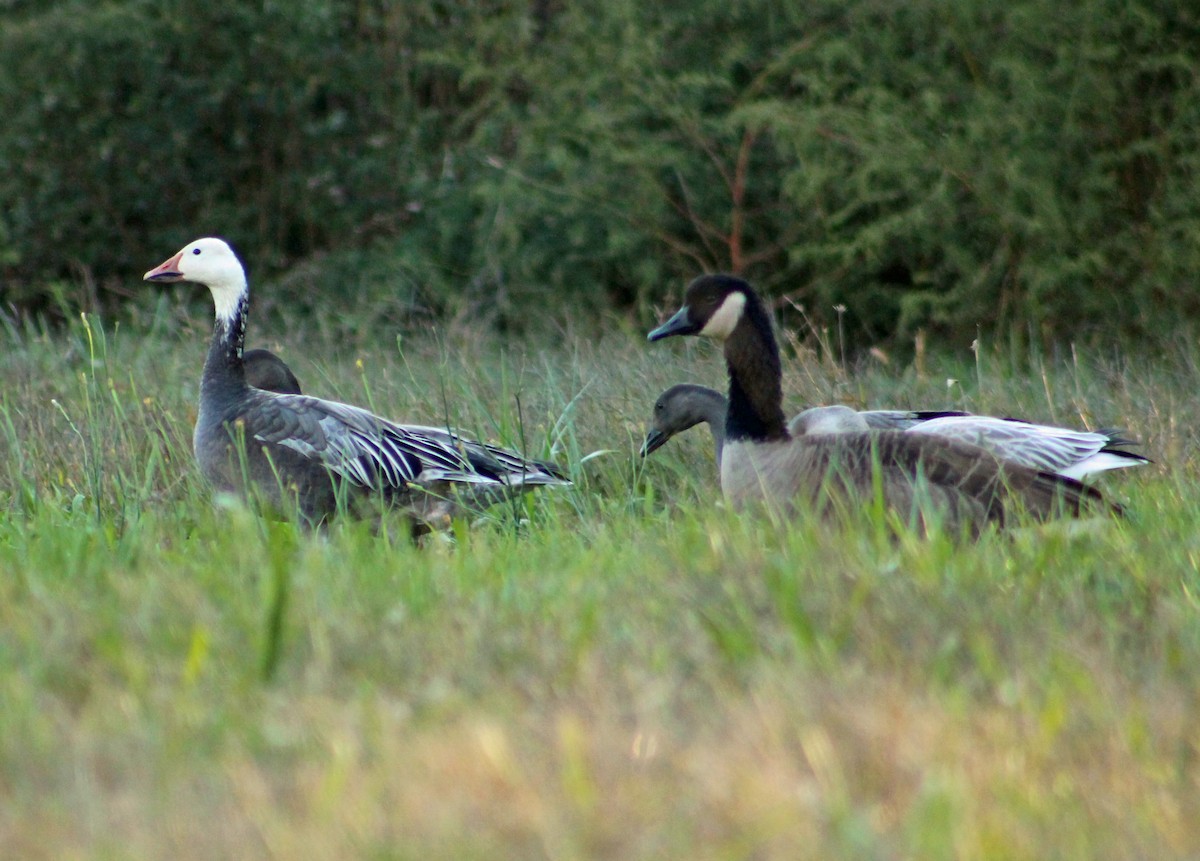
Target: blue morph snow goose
<point x="311" y="452"/>
<point x="1073" y="453"/>
<point x="917" y="476"/>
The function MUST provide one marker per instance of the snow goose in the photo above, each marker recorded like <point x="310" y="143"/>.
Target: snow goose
<point x="317" y="454"/>
<point x="917" y="475"/>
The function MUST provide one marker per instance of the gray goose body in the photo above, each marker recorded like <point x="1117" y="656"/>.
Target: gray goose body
<point x="319" y="455"/>
<point x="264" y="370"/>
<point x="918" y="476"/>
<point x="1073" y="453"/>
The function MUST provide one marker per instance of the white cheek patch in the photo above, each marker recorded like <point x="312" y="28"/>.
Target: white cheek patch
<point x="722" y="323"/>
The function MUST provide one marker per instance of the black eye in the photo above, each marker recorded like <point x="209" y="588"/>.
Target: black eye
<point x="195" y="250"/>
<point x="658" y="408"/>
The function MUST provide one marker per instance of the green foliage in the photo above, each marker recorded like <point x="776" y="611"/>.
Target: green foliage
<point x="998" y="165"/>
<point x="947" y="166"/>
<point x="134" y="126"/>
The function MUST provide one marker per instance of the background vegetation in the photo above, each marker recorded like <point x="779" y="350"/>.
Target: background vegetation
<point x="634" y="674"/>
<point x="437" y="201"/>
<point x="1028" y="166"/>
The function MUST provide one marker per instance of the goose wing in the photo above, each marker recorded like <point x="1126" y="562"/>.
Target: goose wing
<point x="957" y="470"/>
<point x="979" y="474"/>
<point x="903" y="419"/>
<point x="494" y="461"/>
<point x="1070" y="452"/>
<point x="358" y="445"/>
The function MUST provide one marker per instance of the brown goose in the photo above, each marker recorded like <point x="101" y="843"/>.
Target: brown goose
<point x="917" y="475"/>
<point x="1073" y="453"/>
<point x="292" y="449"/>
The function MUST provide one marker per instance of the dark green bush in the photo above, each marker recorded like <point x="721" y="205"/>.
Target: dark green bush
<point x="136" y="126"/>
<point x="1028" y="165"/>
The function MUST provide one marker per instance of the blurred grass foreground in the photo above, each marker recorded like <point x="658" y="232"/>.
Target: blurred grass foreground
<point x="623" y="669"/>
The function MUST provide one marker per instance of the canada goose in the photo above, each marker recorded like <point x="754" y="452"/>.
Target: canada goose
<point x="685" y="405"/>
<point x="914" y="474"/>
<point x="1073" y="453"/>
<point x="265" y="370"/>
<point x="308" y="451"/>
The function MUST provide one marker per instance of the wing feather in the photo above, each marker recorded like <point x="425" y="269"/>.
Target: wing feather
<point x="1037" y="446"/>
<point x="371" y="451"/>
<point x="964" y="470"/>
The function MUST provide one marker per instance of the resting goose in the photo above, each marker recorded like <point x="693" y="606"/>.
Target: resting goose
<point x="317" y="452"/>
<point x="681" y="408"/>
<point x="265" y="370"/>
<point x="915" y="474"/>
<point x="685" y="405"/>
<point x="1073" y="453"/>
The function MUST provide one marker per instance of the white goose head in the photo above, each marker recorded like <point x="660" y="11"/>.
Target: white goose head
<point x="210" y="262"/>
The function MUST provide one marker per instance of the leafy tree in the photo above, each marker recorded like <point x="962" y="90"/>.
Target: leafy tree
<point x="1029" y="165"/>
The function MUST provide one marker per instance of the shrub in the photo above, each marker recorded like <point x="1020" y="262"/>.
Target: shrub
<point x="928" y="165"/>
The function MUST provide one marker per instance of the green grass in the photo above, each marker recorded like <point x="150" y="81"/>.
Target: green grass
<point x="634" y="673"/>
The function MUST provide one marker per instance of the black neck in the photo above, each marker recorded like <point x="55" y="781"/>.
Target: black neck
<point x="755" y="378"/>
<point x="223" y="368"/>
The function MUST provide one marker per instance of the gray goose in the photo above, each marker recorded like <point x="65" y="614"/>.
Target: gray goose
<point x="315" y="453"/>
<point x="1073" y="453"/>
<point x="917" y="475"/>
<point x="265" y="370"/>
<point x="681" y="408"/>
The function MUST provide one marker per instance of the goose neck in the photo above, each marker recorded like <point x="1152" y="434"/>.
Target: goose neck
<point x="224" y="371"/>
<point x="714" y="408"/>
<point x="755" y="378"/>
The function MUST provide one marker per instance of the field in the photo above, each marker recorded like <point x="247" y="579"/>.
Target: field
<point x="623" y="669"/>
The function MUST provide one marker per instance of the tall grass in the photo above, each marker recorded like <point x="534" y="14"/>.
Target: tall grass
<point x="635" y="672"/>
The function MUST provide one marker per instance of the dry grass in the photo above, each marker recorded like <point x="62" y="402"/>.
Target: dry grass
<point x="636" y="674"/>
